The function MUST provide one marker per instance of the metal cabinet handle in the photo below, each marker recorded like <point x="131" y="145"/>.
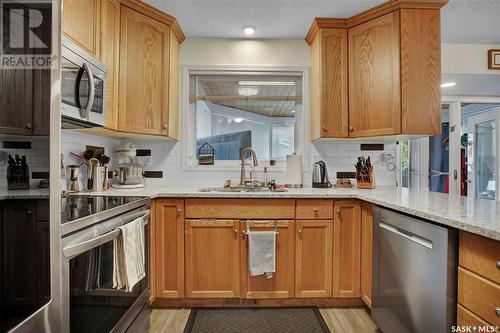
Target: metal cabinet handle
<point x="498" y="265"/>
<point x="28" y="126"/>
<point x="497" y="311"/>
<point x="325" y="129"/>
<point x="351" y="129"/>
<point x="236" y="232"/>
<point x="165" y="126"/>
<point x="29" y="212"/>
<point x="179" y="211"/>
<point x="300" y="233"/>
<point x="316" y="210"/>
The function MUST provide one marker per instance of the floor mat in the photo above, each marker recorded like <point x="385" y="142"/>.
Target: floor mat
<point x="256" y="320"/>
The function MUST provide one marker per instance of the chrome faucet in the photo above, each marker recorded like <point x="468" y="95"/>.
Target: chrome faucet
<point x="244" y="154"/>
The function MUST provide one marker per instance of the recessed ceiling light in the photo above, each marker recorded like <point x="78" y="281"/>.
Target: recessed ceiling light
<point x="448" y="84"/>
<point x="249" y="31"/>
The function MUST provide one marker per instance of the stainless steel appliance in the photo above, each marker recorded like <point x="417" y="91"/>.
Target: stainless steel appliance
<point x="414" y="274"/>
<point x="320" y="175"/>
<point x="89" y="302"/>
<point x="82" y="88"/>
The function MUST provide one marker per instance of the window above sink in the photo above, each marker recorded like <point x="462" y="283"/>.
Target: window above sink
<point x="231" y="109"/>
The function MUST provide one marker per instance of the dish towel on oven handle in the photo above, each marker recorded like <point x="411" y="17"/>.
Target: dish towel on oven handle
<point x="262" y="253"/>
<point x="129" y="255"/>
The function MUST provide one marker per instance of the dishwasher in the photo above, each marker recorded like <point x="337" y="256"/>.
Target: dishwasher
<point x="414" y="274"/>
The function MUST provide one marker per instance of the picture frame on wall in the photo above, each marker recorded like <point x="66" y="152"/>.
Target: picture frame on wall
<point x="494" y="59"/>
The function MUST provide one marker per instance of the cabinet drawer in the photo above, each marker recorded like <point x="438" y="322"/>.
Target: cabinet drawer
<point x="467" y="318"/>
<point x="479" y="295"/>
<point x="240" y="208"/>
<point x="314" y="209"/>
<point x="480" y="255"/>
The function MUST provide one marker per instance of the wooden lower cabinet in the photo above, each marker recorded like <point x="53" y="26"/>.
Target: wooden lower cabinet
<point x="313" y="258"/>
<point x="169" y="252"/>
<point x="281" y="285"/>
<point x="346" y="248"/>
<point x="212" y="258"/>
<point x="366" y="252"/>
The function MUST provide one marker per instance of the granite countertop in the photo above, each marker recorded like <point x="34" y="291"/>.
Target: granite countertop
<point x="32" y="193"/>
<point x="477" y="216"/>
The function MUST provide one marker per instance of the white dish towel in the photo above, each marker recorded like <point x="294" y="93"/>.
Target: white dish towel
<point x="129" y="255"/>
<point x="262" y="253"/>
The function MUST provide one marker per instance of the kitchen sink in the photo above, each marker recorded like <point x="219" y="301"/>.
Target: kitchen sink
<point x="241" y="189"/>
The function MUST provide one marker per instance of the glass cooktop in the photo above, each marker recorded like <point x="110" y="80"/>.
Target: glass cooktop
<point x="78" y="207"/>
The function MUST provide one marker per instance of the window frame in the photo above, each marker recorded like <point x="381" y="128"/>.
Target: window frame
<point x="188" y="118"/>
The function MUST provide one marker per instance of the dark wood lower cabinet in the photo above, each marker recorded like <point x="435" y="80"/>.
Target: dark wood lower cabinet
<point x="25" y="260"/>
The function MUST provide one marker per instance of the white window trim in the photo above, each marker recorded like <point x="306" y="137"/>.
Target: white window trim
<point x="188" y="124"/>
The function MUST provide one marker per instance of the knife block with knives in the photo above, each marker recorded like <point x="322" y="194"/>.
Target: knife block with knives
<point x="364" y="173"/>
<point x="18" y="174"/>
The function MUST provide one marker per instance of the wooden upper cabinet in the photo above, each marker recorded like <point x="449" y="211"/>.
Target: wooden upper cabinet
<point x="374" y="77"/>
<point x="420" y="71"/>
<point x="109" y="55"/>
<point x="168" y="251"/>
<point x="81" y="23"/>
<point x="329" y="83"/>
<point x="144" y="74"/>
<point x="392" y="69"/>
<point x="212" y="258"/>
<point x="347" y="248"/>
<point x="313" y="258"/>
<point x="281" y="285"/>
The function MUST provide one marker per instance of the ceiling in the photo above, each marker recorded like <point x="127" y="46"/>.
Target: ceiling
<point x="463" y="21"/>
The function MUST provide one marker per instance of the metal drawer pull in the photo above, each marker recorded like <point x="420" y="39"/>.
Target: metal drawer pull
<point x="497" y="311"/>
<point x="300" y="233"/>
<point x="249" y="223"/>
<point x="316" y="210"/>
<point x="498" y="265"/>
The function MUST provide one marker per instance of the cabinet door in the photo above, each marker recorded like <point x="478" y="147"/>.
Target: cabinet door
<point x="16" y="101"/>
<point x="212" y="258"/>
<point x="329" y="84"/>
<point x="281" y="285"/>
<point x="313" y="258"/>
<point x="366" y="252"/>
<point x="81" y="23"/>
<point x="144" y="74"/>
<point x="110" y="51"/>
<point x="374" y="77"/>
<point x="346" y="248"/>
<point x="43" y="261"/>
<point x="169" y="248"/>
<point x="19" y="263"/>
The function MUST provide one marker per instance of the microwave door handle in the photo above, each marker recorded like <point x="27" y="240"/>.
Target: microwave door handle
<point x="77" y="249"/>
<point x="85" y="112"/>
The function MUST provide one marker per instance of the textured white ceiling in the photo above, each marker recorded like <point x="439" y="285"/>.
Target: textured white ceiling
<point x="463" y="21"/>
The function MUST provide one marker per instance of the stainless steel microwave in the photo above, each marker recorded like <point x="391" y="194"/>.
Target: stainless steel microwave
<point x="82" y="88"/>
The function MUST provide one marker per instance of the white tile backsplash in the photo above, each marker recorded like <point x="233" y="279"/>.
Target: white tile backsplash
<point x="37" y="157"/>
<point x="166" y="156"/>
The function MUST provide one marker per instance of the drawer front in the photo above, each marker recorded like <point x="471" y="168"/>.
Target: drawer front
<point x="314" y="209"/>
<point x="467" y="318"/>
<point x="480" y="255"/>
<point x="479" y="295"/>
<point x="240" y="208"/>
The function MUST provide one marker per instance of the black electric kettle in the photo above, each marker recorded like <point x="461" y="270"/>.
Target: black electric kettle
<point x="320" y="176"/>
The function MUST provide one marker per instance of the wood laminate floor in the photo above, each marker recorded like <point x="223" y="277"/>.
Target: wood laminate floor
<point x="339" y="320"/>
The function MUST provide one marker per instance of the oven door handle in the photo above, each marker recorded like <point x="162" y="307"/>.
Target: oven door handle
<point x="77" y="249"/>
<point x="85" y="112"/>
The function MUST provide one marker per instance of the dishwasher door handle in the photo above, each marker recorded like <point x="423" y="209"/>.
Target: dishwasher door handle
<point x="406" y="234"/>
